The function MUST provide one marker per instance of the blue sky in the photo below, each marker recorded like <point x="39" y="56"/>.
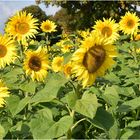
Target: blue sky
<point x="9" y="7"/>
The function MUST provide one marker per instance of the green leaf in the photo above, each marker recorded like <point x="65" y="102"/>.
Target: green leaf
<point x="46" y="112"/>
<point x="87" y="105"/>
<point x="40" y="124"/>
<point x="71" y="98"/>
<point x="11" y="78"/>
<point x="129" y="105"/>
<point x="12" y="103"/>
<point x="111" y="96"/>
<point x="22" y="104"/>
<point x="15" y="105"/>
<point x="112" y="78"/>
<point x="105" y="121"/>
<point x="60" y="127"/>
<point x="134" y="124"/>
<point x="2" y="132"/>
<point x="28" y="86"/>
<point x="126" y="91"/>
<point x="67" y="57"/>
<point x="131" y="134"/>
<point x="43" y="127"/>
<point x="49" y="92"/>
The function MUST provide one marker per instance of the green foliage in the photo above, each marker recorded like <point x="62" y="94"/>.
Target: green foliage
<point x="83" y="14"/>
<point x="43" y="126"/>
<point x="59" y="108"/>
<point x="87" y="105"/>
<point x="36" y="11"/>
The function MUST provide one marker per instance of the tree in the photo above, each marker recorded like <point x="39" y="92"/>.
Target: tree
<point x="85" y="13"/>
<point x="36" y="11"/>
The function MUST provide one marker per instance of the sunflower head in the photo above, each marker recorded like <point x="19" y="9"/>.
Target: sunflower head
<point x="22" y="26"/>
<point x="3" y="93"/>
<point x="36" y="64"/>
<point x="57" y="64"/>
<point x="92" y="59"/>
<point x="129" y="23"/>
<point x="7" y="51"/>
<point x="107" y="29"/>
<point x="137" y="37"/>
<point x="48" y="26"/>
<point x="84" y="34"/>
<point x="67" y="69"/>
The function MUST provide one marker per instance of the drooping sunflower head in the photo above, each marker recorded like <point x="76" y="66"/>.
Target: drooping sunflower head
<point x="107" y="29"/>
<point x="92" y="59"/>
<point x="129" y="23"/>
<point x="48" y="26"/>
<point x="36" y="64"/>
<point x="7" y="51"/>
<point x="3" y="93"/>
<point x="22" y="26"/>
<point x="57" y="64"/>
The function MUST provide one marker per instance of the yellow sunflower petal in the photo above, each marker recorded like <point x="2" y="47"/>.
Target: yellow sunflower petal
<point x="92" y="59"/>
<point x="36" y="64"/>
<point x="7" y="51"/>
<point x="22" y="26"/>
<point x="3" y="93"/>
<point x="129" y="23"/>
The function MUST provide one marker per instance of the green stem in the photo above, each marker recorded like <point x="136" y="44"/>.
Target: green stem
<point x="77" y="123"/>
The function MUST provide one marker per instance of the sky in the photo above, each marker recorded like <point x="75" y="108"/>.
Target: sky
<point x="9" y="7"/>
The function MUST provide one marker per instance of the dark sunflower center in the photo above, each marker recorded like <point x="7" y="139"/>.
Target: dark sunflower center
<point x="3" y="51"/>
<point x="22" y="28"/>
<point x="47" y="27"/>
<point x="130" y="23"/>
<point x="106" y="31"/>
<point x="94" y="58"/>
<point x="35" y="63"/>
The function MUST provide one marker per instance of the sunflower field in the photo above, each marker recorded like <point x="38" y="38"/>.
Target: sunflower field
<point x="84" y="86"/>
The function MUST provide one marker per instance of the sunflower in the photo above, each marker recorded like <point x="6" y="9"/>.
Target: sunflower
<point x="107" y="29"/>
<point x="22" y="26"/>
<point x="92" y="59"/>
<point x="3" y="93"/>
<point x="57" y="64"/>
<point x="67" y="69"/>
<point x="137" y="37"/>
<point x="48" y="26"/>
<point x="7" y="51"/>
<point x="129" y="23"/>
<point x="84" y="34"/>
<point x="36" y="64"/>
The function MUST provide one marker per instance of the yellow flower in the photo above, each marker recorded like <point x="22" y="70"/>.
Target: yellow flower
<point x="3" y="93"/>
<point x="57" y="64"/>
<point x="22" y="26"/>
<point x="36" y="64"/>
<point x="137" y="37"/>
<point x="48" y="26"/>
<point x="67" y="69"/>
<point x="134" y="50"/>
<point x="65" y="45"/>
<point x="107" y="29"/>
<point x="84" y="34"/>
<point x="129" y="23"/>
<point x="65" y="48"/>
<point x="138" y="50"/>
<point x="7" y="51"/>
<point x="92" y="59"/>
